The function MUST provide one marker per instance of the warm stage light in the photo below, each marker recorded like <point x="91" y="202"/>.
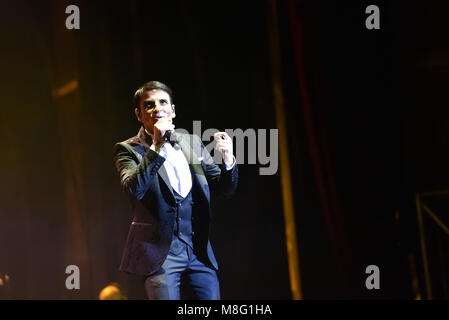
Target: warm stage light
<point x="67" y="88"/>
<point x="112" y="292"/>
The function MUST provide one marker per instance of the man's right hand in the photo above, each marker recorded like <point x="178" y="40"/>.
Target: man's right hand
<point x="160" y="128"/>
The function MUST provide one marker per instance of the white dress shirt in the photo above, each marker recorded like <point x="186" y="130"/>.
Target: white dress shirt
<point x="177" y="168"/>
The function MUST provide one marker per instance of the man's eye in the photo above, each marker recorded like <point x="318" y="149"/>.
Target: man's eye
<point x="163" y="102"/>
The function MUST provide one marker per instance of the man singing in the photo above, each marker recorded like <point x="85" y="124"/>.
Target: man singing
<point x="169" y="176"/>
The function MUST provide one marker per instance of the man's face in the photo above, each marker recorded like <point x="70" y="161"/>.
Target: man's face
<point x="155" y="105"/>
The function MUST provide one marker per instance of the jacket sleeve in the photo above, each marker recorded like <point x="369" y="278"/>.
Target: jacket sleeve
<point x="221" y="181"/>
<point x="135" y="177"/>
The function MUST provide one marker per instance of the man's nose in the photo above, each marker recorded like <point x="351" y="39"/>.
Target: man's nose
<point x="157" y="106"/>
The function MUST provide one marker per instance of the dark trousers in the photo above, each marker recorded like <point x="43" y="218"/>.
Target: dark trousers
<point x="183" y="276"/>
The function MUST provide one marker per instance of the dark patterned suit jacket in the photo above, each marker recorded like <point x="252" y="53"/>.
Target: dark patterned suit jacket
<point x="143" y="177"/>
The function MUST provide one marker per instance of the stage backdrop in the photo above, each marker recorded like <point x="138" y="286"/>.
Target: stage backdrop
<point x="366" y="120"/>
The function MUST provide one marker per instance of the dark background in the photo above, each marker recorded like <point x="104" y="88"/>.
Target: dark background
<point x="371" y="132"/>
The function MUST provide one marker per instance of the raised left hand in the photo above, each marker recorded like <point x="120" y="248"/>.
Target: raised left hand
<point x="224" y="145"/>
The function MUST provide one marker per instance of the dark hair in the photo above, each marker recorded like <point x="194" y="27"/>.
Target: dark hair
<point x="151" y="85"/>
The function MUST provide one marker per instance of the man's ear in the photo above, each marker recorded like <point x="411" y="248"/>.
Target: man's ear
<point x="173" y="109"/>
<point x="137" y="112"/>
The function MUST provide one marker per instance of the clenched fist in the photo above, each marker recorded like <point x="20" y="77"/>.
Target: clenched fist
<point x="160" y="128"/>
<point x="224" y="145"/>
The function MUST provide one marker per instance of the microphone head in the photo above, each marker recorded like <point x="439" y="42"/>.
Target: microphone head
<point x="172" y="138"/>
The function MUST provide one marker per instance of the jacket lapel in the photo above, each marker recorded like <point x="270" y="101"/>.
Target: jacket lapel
<point x="145" y="141"/>
<point x="163" y="174"/>
<point x="194" y="164"/>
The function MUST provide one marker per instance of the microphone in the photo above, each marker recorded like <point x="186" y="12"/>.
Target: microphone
<point x="172" y="137"/>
